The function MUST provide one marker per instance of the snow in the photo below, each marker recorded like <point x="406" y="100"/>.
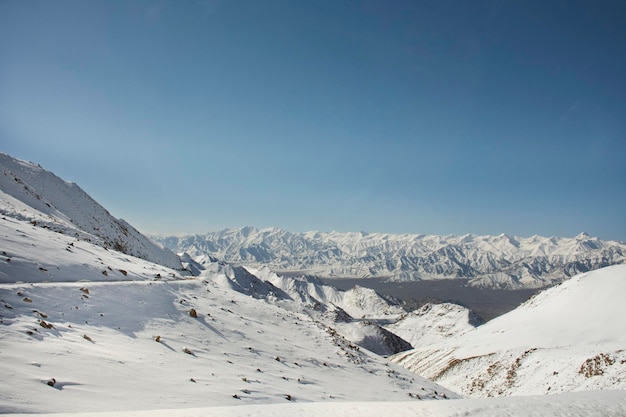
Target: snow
<point x="34" y="254"/>
<point x="358" y="301"/>
<point x="102" y="346"/>
<point x="336" y="309"/>
<point x="434" y="323"/>
<point x="583" y="404"/>
<point x="485" y="261"/>
<point x="29" y="192"/>
<point x="568" y="338"/>
<point x="89" y="330"/>
<point x="588" y="308"/>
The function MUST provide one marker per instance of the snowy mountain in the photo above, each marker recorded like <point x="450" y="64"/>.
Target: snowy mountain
<point x="568" y="338"/>
<point x="91" y="311"/>
<point x="358" y="301"/>
<point x="95" y="317"/>
<point x="74" y="339"/>
<point x="29" y="192"/>
<point x="487" y="261"/>
<point x="353" y="314"/>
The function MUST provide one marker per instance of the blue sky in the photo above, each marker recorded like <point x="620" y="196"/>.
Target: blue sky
<point x="436" y="117"/>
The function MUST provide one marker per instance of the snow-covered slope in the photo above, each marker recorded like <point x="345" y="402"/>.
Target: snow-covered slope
<point x="75" y="339"/>
<point x="87" y="327"/>
<point x="568" y="338"/>
<point x="434" y="323"/>
<point x="580" y="404"/>
<point x="491" y="261"/>
<point x="359" y="301"/>
<point x="353" y="314"/>
<point x="29" y="192"/>
<point x="31" y="254"/>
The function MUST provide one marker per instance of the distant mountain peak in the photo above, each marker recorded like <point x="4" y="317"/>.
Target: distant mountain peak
<point x="502" y="261"/>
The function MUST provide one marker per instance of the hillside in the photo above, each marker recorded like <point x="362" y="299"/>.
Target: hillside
<point x="580" y="404"/>
<point x="353" y="314"/>
<point x="103" y="336"/>
<point x="29" y="192"/>
<point x="434" y="323"/>
<point x="89" y="313"/>
<point x="485" y="261"/>
<point x="568" y="338"/>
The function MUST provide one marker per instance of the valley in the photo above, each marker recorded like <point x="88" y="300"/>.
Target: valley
<point x="488" y="303"/>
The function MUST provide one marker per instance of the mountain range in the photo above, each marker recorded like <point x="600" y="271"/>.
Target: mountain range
<point x="484" y="261"/>
<point x="94" y="316"/>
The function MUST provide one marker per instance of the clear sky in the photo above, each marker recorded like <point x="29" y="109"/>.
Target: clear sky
<point x="435" y="117"/>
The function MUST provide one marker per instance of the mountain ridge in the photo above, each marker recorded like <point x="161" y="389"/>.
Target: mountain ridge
<point x="31" y="193"/>
<point x="501" y="261"/>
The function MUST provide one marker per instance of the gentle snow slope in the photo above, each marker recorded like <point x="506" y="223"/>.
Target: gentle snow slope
<point x="582" y="404"/>
<point x="567" y="338"/>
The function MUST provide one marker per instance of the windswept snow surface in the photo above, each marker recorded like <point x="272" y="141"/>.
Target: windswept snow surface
<point x="147" y="338"/>
<point x="570" y="337"/>
<point x="31" y="253"/>
<point x="29" y="192"/>
<point x="581" y="404"/>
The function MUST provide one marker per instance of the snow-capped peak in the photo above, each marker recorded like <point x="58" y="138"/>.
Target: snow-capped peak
<point x="501" y="261"/>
